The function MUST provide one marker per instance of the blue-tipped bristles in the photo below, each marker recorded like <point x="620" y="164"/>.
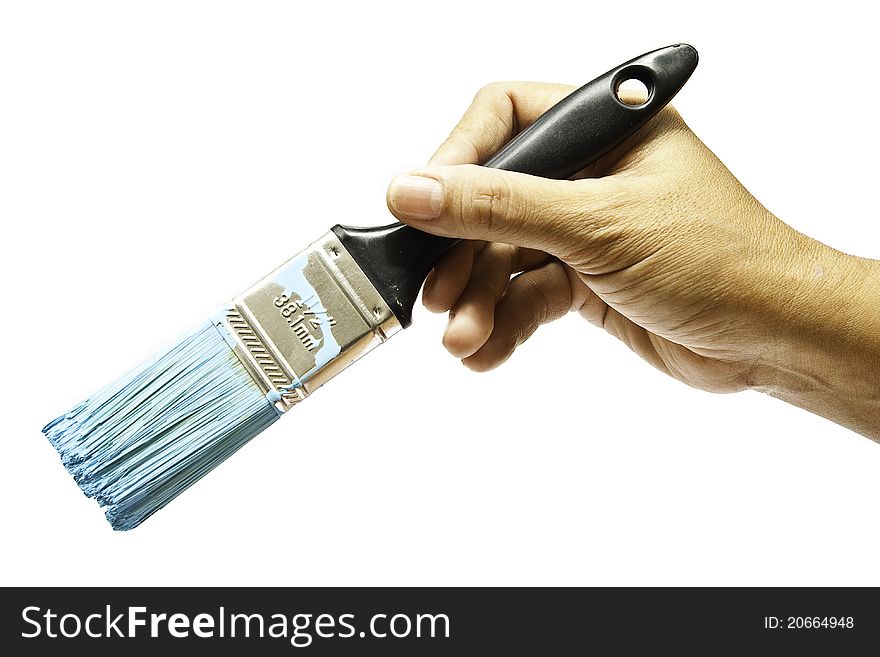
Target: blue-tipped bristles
<point x="141" y="441"/>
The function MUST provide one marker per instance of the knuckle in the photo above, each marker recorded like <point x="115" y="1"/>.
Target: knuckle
<point x="540" y="302"/>
<point x="488" y="205"/>
<point x="462" y="138"/>
<point x="513" y="338"/>
<point x="491" y="89"/>
<point x="506" y="340"/>
<point x="494" y="107"/>
<point x="672" y="114"/>
<point x="481" y="289"/>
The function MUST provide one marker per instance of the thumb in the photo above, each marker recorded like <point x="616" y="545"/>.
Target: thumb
<point x="474" y="202"/>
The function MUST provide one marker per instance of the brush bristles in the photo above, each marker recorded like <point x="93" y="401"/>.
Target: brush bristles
<point x="141" y="441"/>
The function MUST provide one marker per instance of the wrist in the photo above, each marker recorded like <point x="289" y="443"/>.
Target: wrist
<point x="823" y="353"/>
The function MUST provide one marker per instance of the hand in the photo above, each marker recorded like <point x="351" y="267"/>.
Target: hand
<point x="657" y="243"/>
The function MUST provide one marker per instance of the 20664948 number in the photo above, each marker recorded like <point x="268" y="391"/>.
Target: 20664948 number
<point x="809" y="622"/>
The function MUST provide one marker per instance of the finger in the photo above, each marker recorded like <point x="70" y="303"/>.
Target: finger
<point x="472" y="315"/>
<point x="587" y="303"/>
<point x="474" y="202"/>
<point x="449" y="277"/>
<point x="533" y="298"/>
<point x="498" y="112"/>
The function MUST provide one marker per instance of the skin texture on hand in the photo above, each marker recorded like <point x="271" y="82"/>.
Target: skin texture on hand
<point x="658" y="244"/>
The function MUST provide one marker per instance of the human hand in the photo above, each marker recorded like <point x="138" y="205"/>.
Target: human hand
<point x="657" y="243"/>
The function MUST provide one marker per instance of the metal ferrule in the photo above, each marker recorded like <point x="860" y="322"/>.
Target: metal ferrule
<point x="306" y="322"/>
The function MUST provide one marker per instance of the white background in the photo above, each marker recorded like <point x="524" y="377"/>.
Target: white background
<point x="156" y="158"/>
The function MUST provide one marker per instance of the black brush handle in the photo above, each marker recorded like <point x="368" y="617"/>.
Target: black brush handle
<point x="591" y="121"/>
<point x="571" y="135"/>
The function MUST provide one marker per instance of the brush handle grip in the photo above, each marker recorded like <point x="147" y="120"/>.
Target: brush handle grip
<point x="592" y="121"/>
<point x="571" y="135"/>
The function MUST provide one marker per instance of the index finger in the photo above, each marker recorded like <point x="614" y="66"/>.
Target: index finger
<point x="498" y="112"/>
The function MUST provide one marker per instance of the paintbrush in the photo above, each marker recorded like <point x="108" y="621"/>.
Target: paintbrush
<point x="138" y="443"/>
